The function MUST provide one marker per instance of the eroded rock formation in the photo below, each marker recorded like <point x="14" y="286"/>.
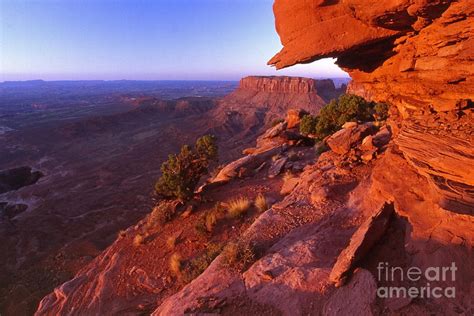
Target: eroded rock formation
<point x="415" y="55"/>
<point x="275" y="95"/>
<point x="395" y="51"/>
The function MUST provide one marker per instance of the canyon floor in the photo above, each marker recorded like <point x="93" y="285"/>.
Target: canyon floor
<point x="98" y="148"/>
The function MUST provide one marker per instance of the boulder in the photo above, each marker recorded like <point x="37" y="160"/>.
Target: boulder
<point x="275" y="130"/>
<point x="343" y="140"/>
<point x="289" y="185"/>
<point x="247" y="163"/>
<point x="360" y="244"/>
<point x="277" y="167"/>
<point x="382" y="137"/>
<point x="349" y="125"/>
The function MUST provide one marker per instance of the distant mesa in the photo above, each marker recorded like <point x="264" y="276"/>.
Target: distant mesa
<point x="265" y="99"/>
<point x="324" y="88"/>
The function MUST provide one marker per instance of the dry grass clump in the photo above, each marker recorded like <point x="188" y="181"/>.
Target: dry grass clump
<point x="200" y="263"/>
<point x="209" y="219"/>
<point x="171" y="241"/>
<point x="122" y="234"/>
<point x="238" y="207"/>
<point x="175" y="264"/>
<point x="288" y="176"/>
<point x="238" y="255"/>
<point x="261" y="203"/>
<point x="138" y="240"/>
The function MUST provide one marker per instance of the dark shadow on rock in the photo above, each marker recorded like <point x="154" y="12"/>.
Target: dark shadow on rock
<point x="16" y="178"/>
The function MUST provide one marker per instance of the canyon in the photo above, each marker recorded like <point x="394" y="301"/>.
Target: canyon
<point x="387" y="193"/>
<point x="64" y="210"/>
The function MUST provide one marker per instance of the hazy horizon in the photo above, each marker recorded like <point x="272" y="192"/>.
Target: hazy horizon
<point x="171" y="80"/>
<point x="143" y="40"/>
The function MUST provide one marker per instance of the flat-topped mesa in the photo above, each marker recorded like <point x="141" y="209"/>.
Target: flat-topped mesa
<point x="283" y="84"/>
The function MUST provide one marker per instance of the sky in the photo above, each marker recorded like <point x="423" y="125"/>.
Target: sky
<point x="142" y="39"/>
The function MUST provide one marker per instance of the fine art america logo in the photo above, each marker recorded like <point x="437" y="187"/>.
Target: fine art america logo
<point x="424" y="278"/>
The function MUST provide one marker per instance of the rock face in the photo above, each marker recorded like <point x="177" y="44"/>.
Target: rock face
<point x="416" y="56"/>
<point x="282" y="84"/>
<point x="363" y="239"/>
<point x="260" y="101"/>
<point x="395" y="51"/>
<point x="275" y="95"/>
<point x="356" y="298"/>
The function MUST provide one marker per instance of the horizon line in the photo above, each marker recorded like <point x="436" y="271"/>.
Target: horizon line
<point x="151" y="80"/>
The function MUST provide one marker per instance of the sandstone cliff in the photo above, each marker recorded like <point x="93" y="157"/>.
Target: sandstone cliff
<point x="289" y="92"/>
<point x="415" y="55"/>
<point x="408" y="203"/>
<point x="337" y="224"/>
<point x="261" y="100"/>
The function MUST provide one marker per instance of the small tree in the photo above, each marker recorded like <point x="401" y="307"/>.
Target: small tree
<point x="181" y="173"/>
<point x="381" y="111"/>
<point x="346" y="108"/>
<point x="308" y="124"/>
<point x="206" y="147"/>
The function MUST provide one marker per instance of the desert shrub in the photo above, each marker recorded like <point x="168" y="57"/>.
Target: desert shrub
<point x="238" y="207"/>
<point x="346" y="108"/>
<point x="308" y="124"/>
<point x="199" y="264"/>
<point x="175" y="264"/>
<point x="211" y="221"/>
<point x="261" y="203"/>
<point x="238" y="255"/>
<point x="160" y="215"/>
<point x="200" y="225"/>
<point x="381" y="111"/>
<point x="206" y="148"/>
<point x="182" y="171"/>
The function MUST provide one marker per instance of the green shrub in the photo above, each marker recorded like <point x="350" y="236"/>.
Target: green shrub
<point x="180" y="174"/>
<point x="308" y="124"/>
<point x="206" y="148"/>
<point x="381" y="111"/>
<point x="346" y="108"/>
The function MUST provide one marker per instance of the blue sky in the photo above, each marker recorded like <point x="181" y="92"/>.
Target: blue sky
<point x="141" y="39"/>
